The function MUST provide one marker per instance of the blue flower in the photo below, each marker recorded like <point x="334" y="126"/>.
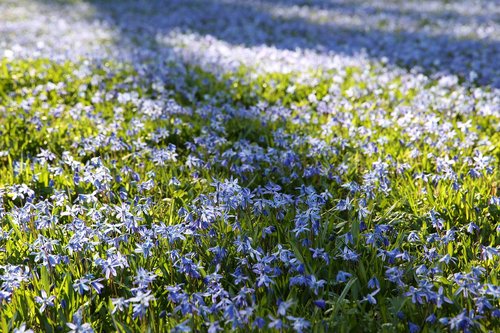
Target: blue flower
<point x="45" y="300"/>
<point x="342" y="276"/>
<point x="320" y="303"/>
<point x="77" y="326"/>
<point x="373" y="283"/>
<point x="413" y="328"/>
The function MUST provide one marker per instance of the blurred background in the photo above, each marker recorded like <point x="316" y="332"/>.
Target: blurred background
<point x="432" y="37"/>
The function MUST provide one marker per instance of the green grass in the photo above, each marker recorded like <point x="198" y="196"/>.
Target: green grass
<point x="85" y="105"/>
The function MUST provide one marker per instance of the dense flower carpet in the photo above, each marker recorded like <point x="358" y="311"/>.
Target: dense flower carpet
<point x="249" y="165"/>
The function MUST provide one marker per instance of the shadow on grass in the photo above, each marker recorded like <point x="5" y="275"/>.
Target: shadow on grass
<point x="251" y="24"/>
